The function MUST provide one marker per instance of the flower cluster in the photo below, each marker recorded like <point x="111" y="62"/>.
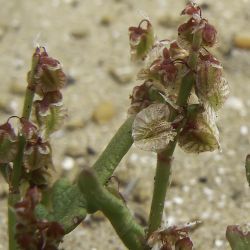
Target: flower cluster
<point x="167" y="65"/>
<point x="45" y="79"/>
<point x="173" y="237"/>
<point x="32" y="233"/>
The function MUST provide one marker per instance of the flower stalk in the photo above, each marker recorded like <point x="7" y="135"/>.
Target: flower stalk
<point x="14" y="193"/>
<point x="164" y="159"/>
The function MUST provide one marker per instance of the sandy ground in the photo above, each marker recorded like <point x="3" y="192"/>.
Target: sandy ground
<point x="90" y="39"/>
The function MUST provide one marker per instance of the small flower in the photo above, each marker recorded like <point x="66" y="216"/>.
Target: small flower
<point x="211" y="86"/>
<point x="50" y="113"/>
<point x="209" y="35"/>
<point x="151" y="130"/>
<point x="28" y="129"/>
<point x="37" y="155"/>
<point x="8" y="143"/>
<point x="200" y="133"/>
<point x="139" y="98"/>
<point x="162" y="70"/>
<point x="49" y="75"/>
<point x="195" y="23"/>
<point x="186" y="33"/>
<point x="32" y="233"/>
<point x="191" y="9"/>
<point x="173" y="237"/>
<point x="176" y="52"/>
<point x="141" y="40"/>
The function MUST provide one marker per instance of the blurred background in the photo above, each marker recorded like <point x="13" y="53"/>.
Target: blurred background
<point x="90" y="39"/>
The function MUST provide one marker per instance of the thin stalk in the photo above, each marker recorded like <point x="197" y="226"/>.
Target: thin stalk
<point x="131" y="234"/>
<point x="163" y="168"/>
<point x="14" y="193"/>
<point x="114" y="152"/>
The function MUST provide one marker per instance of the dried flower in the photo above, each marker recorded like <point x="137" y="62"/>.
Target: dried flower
<point x="200" y="133"/>
<point x="141" y="40"/>
<point x="211" y="86"/>
<point x="191" y="9"/>
<point x="195" y="23"/>
<point x="173" y="237"/>
<point x="209" y="35"/>
<point x="49" y="75"/>
<point x="8" y="143"/>
<point x="139" y="98"/>
<point x="32" y="233"/>
<point x="50" y="113"/>
<point x="37" y="155"/>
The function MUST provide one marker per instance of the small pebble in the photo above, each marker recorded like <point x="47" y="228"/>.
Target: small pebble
<point x="121" y="75"/>
<point x="242" y="41"/>
<point x="236" y="104"/>
<point x="74" y="151"/>
<point x="203" y="179"/>
<point x="14" y="106"/>
<point x="219" y="243"/>
<point x="68" y="163"/>
<point x="91" y="151"/>
<point x="243" y="130"/>
<point x="106" y="20"/>
<point x="75" y="123"/>
<point x="104" y="112"/>
<point x="178" y="200"/>
<point x="80" y="33"/>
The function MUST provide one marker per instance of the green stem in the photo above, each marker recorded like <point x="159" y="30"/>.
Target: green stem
<point x="14" y="193"/>
<point x="29" y="96"/>
<point x="107" y="162"/>
<point x="114" y="152"/>
<point x="113" y="208"/>
<point x="12" y="200"/>
<point x="163" y="169"/>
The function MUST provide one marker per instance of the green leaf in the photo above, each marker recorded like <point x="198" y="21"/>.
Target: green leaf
<point x="238" y="237"/>
<point x="68" y="205"/>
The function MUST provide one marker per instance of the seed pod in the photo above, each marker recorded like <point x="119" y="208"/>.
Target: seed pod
<point x="176" y="52"/>
<point x="141" y="40"/>
<point x="49" y="75"/>
<point x="200" y="133"/>
<point x="185" y="33"/>
<point x="8" y="143"/>
<point x="28" y="129"/>
<point x="191" y="9"/>
<point x="209" y="35"/>
<point x="50" y="113"/>
<point x="37" y="155"/>
<point x="151" y="130"/>
<point x="211" y="86"/>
